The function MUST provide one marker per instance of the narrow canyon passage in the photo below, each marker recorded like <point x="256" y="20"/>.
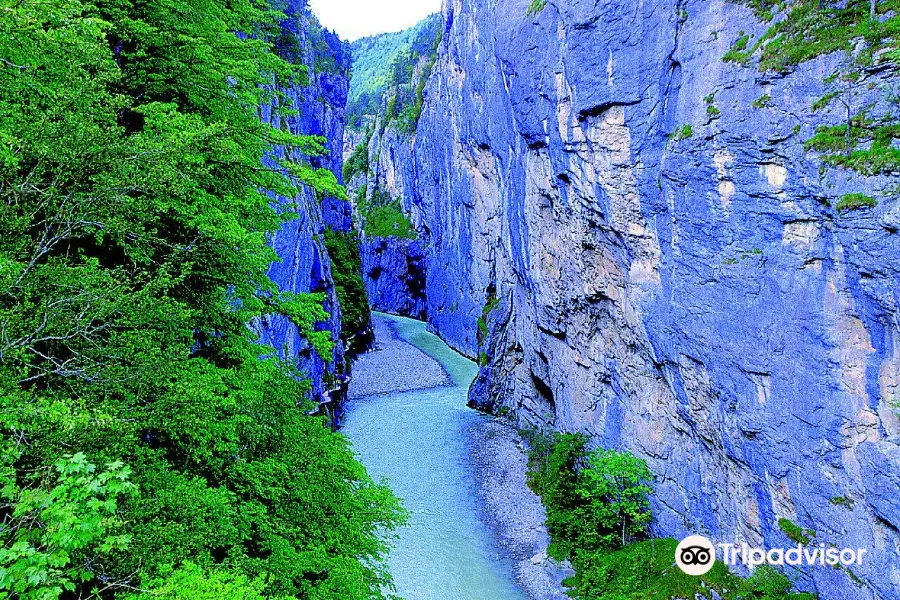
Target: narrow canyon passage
<point x="417" y="439"/>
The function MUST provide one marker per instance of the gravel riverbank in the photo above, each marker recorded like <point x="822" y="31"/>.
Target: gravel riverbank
<point x="393" y="366"/>
<point x="512" y="510"/>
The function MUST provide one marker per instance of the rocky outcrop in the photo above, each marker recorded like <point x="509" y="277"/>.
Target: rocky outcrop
<point x="689" y="293"/>
<point x="304" y="265"/>
<point x="394" y="274"/>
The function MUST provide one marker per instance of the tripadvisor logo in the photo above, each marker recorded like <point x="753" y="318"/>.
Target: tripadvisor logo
<point x="696" y="555"/>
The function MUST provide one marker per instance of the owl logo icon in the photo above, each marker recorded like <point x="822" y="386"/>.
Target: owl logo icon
<point x="695" y="555"/>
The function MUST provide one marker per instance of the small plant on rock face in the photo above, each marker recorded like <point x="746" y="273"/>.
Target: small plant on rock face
<point x="795" y="533"/>
<point x="682" y="133"/>
<point x="843" y="501"/>
<point x="536" y="7"/>
<point x="850" y="202"/>
<point x="483" y="330"/>
<point x="738" y="52"/>
<point x="762" y="101"/>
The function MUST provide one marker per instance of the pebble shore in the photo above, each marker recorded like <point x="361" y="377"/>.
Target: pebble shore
<point x="512" y="510"/>
<point x="394" y="365"/>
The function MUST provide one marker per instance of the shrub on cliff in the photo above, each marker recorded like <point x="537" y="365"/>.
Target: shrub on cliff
<point x="383" y="216"/>
<point x="358" y="161"/>
<point x="346" y="269"/>
<point x="388" y="220"/>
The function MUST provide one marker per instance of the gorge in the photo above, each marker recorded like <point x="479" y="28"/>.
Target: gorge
<point x="500" y="306"/>
<point x="622" y="218"/>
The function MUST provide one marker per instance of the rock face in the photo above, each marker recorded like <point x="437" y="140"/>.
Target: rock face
<point x="394" y="269"/>
<point x="394" y="274"/>
<point x="695" y="299"/>
<point x="304" y="263"/>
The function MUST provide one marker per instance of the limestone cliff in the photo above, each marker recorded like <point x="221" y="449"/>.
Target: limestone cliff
<point x="304" y="262"/>
<point x="673" y="272"/>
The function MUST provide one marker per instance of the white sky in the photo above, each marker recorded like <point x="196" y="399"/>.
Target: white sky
<point x="353" y="19"/>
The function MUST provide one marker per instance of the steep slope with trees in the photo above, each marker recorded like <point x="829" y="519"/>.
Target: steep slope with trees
<point x="150" y="446"/>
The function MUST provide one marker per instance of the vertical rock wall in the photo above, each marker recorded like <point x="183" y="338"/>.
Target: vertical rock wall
<point x="305" y="265"/>
<point x="394" y="273"/>
<point x="394" y="269"/>
<point x="699" y="301"/>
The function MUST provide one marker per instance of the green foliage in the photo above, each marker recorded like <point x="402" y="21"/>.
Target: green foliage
<point x="597" y="506"/>
<point x="713" y="112"/>
<point x="595" y="500"/>
<point x="358" y="161"/>
<point x="645" y="571"/>
<point x="843" y="501"/>
<point x="482" y="328"/>
<point x="811" y="28"/>
<point x="738" y="52"/>
<point x="346" y="269"/>
<point x="850" y="202"/>
<point x="388" y="220"/>
<point x="406" y="100"/>
<point x="59" y="517"/>
<point x="325" y="60"/>
<point x="615" y="494"/>
<point x="763" y="101"/>
<point x="135" y="210"/>
<point x="866" y="145"/>
<point x="191" y="582"/>
<point x="492" y="303"/>
<point x="374" y="64"/>
<point x="682" y="133"/>
<point x="383" y="216"/>
<point x="795" y="533"/>
<point x="536" y="7"/>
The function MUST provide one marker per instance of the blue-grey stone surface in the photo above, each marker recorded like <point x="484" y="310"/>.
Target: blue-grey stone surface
<point x="304" y="265"/>
<point x="698" y="301"/>
<point x="394" y="274"/>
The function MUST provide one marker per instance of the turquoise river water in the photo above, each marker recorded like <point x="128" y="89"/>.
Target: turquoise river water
<point x="417" y="441"/>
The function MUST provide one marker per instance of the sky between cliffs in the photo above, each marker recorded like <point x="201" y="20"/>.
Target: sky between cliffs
<point x="353" y="19"/>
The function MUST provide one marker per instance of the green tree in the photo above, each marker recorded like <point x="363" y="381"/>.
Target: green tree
<point x="614" y="492"/>
<point x="346" y="264"/>
<point x="136" y="199"/>
<point x="595" y="500"/>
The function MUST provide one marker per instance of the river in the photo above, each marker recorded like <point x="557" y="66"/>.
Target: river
<point x="417" y="441"/>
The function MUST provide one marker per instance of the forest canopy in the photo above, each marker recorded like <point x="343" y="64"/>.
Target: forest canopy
<point x="145" y="448"/>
